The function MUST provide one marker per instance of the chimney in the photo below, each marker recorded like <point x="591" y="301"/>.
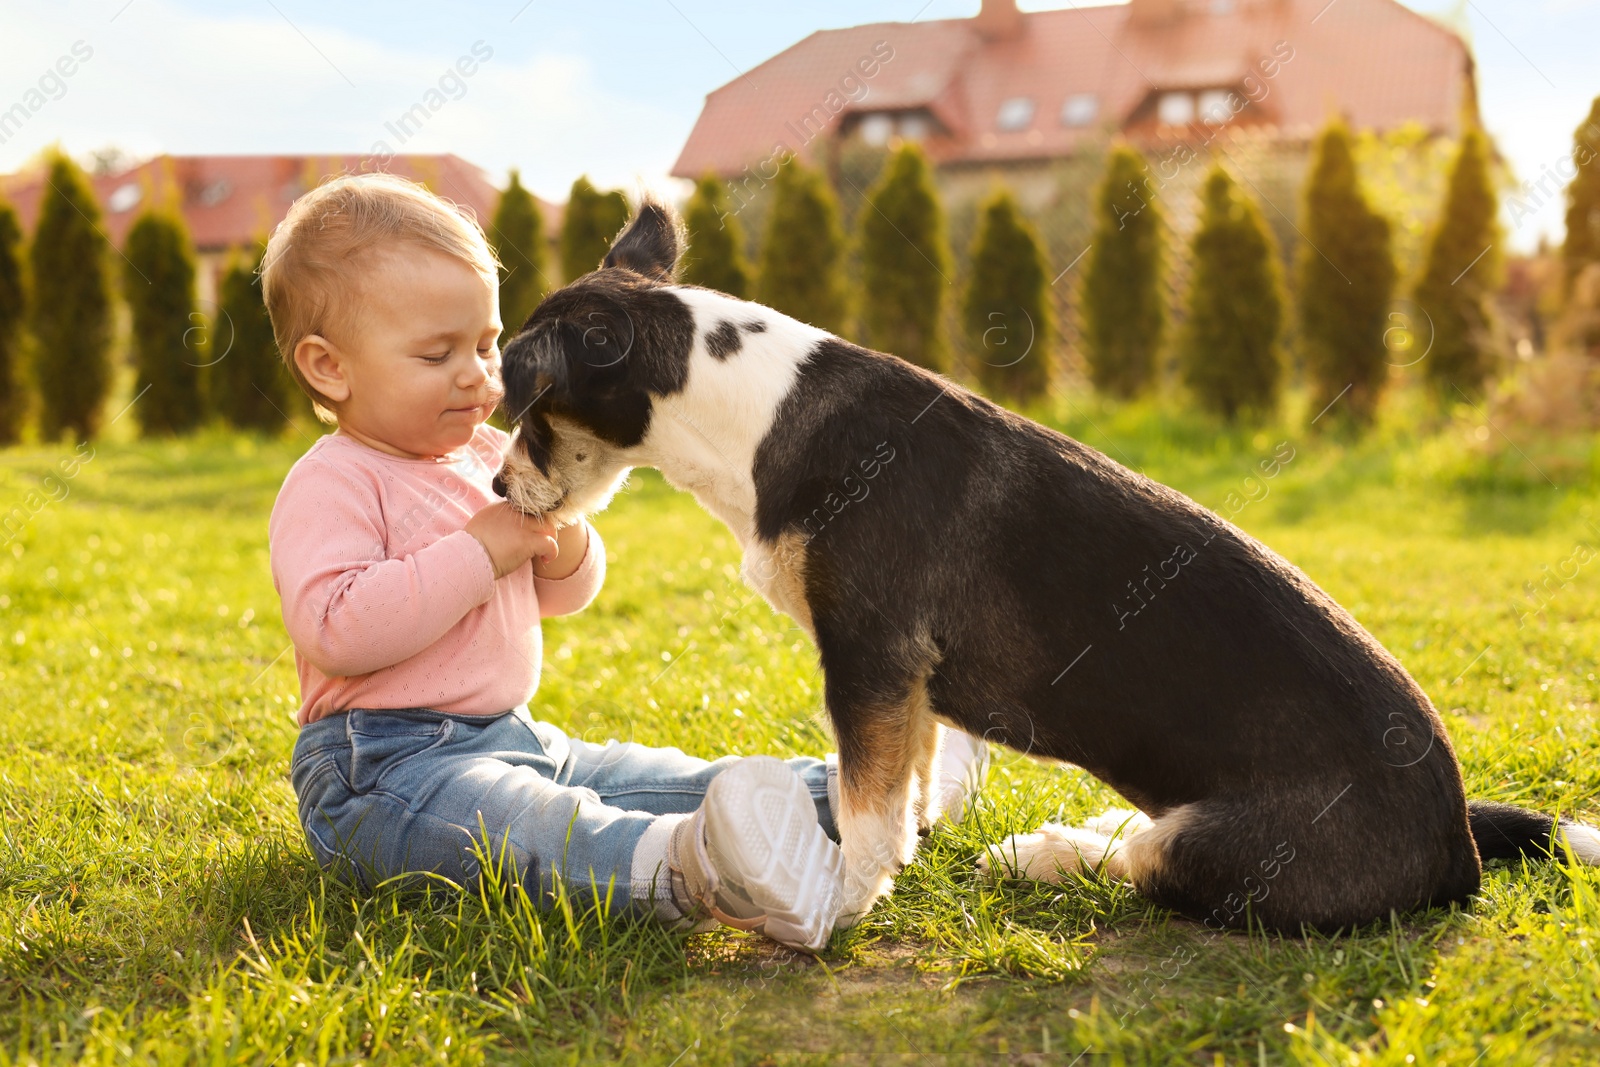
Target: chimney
<point x="999" y="20"/>
<point x="1155" y="12"/>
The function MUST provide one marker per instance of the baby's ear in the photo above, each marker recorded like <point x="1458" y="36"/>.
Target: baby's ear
<point x="649" y="244"/>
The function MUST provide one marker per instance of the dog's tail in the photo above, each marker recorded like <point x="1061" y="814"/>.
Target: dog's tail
<point x="1507" y="832"/>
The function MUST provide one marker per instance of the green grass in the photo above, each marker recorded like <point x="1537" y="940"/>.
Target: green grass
<point x="157" y="903"/>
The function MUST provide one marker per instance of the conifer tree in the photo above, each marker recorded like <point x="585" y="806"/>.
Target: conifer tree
<point x="13" y="311"/>
<point x="250" y="387"/>
<point x="1346" y="278"/>
<point x="715" y="254"/>
<point x="801" y="258"/>
<point x="592" y="220"/>
<point x="158" y="281"/>
<point x="1123" y="309"/>
<point x="1582" y="245"/>
<point x="905" y="263"/>
<point x="517" y="234"/>
<point x="1461" y="274"/>
<point x="1006" y="309"/>
<point x="71" y="313"/>
<point x="1228" y="350"/>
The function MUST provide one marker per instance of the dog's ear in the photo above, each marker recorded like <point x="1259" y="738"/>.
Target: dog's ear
<point x="649" y="244"/>
<point x="587" y="347"/>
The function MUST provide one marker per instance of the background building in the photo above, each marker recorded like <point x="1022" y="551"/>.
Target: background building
<point x="231" y="202"/>
<point x="1009" y="93"/>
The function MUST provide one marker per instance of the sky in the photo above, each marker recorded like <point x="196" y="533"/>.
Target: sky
<point x="610" y="88"/>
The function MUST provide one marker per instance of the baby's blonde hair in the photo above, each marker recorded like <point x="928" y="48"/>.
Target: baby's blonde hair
<point x="310" y="273"/>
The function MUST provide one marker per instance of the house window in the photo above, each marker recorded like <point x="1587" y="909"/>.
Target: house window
<point x="1215" y="110"/>
<point x="124" y="197"/>
<point x="877" y="128"/>
<point x="216" y="192"/>
<point x="1015" y="113"/>
<point x="1175" y="109"/>
<point x="1080" y="109"/>
<point x="915" y="127"/>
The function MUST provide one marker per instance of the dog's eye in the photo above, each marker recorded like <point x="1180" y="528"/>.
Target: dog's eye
<point x="581" y="456"/>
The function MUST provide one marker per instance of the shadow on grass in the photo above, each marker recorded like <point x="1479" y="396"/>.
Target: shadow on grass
<point x="952" y="965"/>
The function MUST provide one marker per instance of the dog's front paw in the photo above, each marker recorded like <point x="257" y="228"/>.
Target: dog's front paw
<point x="859" y="897"/>
<point x="864" y="883"/>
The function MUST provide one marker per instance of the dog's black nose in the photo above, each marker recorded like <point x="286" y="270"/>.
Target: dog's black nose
<point x="499" y="486"/>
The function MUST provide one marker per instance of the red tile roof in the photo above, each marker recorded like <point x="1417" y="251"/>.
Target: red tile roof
<point x="1373" y="61"/>
<point x="231" y="201"/>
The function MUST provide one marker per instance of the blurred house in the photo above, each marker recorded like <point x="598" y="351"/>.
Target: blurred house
<point x="1009" y="94"/>
<point x="231" y="202"/>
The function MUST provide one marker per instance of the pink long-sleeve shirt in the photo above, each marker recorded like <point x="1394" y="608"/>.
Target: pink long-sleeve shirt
<point x="389" y="601"/>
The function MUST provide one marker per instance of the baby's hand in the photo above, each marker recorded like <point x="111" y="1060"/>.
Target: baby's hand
<point x="510" y="537"/>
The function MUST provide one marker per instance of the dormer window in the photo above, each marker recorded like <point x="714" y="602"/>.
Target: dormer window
<point x="1015" y="114"/>
<point x="1080" y="109"/>
<point x="1175" y="109"/>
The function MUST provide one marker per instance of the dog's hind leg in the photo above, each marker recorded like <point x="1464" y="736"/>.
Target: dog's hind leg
<point x="1054" y="851"/>
<point x="1177" y="859"/>
<point x="1118" y="822"/>
<point x="881" y="748"/>
<point x="1319" y="854"/>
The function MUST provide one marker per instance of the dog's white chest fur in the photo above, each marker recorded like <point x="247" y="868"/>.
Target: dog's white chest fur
<point x="704" y="438"/>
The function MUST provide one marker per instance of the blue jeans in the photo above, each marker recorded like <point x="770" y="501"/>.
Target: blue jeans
<point x="417" y="792"/>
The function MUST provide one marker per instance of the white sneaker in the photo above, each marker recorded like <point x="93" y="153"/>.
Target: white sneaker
<point x="754" y="858"/>
<point x="963" y="768"/>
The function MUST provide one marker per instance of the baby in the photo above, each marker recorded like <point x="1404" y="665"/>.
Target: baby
<point x="413" y="596"/>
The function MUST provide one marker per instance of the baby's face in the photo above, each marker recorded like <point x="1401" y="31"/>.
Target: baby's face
<point x="422" y="361"/>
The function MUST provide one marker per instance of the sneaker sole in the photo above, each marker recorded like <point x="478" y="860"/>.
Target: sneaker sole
<point x="760" y="815"/>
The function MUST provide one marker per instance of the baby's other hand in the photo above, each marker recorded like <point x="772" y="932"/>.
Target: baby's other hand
<point x="510" y="537"/>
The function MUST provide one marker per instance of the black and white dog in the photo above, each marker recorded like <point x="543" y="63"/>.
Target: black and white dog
<point x="957" y="563"/>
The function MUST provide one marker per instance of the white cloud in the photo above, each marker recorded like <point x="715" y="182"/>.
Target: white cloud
<point x="165" y="80"/>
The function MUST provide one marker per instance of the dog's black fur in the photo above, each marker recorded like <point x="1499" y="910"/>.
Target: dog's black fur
<point x="1047" y="598"/>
